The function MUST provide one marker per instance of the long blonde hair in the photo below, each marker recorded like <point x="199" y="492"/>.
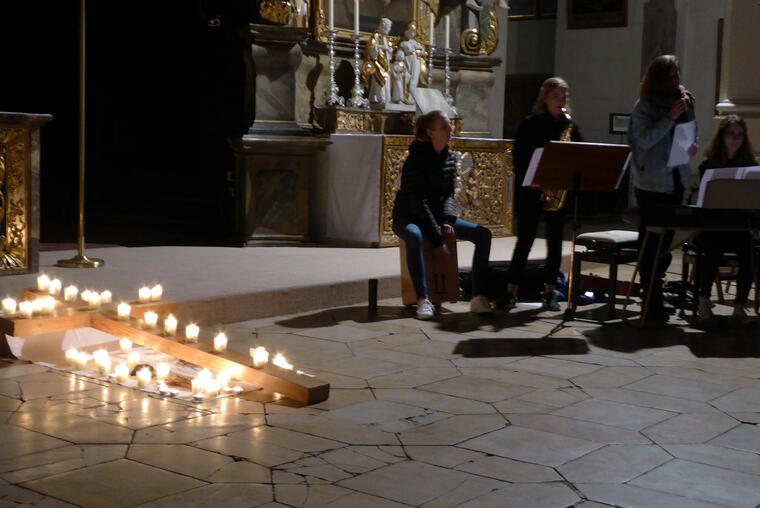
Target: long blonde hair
<point x="547" y="87"/>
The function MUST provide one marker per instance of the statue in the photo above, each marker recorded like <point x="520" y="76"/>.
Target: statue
<point x="399" y="79"/>
<point x="415" y="59"/>
<point x="376" y="65"/>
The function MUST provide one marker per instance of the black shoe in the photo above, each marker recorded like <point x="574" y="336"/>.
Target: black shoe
<point x="549" y="301"/>
<point x="506" y="301"/>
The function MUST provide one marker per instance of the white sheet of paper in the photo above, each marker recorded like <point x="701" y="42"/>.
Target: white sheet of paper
<point x="531" y="173"/>
<point x="684" y="135"/>
<point x="748" y="173"/>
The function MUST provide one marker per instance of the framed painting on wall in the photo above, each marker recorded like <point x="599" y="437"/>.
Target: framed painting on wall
<point x="400" y="12"/>
<point x="597" y="13"/>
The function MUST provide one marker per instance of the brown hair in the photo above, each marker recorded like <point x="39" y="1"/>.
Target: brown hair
<point x="717" y="149"/>
<point x="547" y="87"/>
<point x="657" y="84"/>
<point x="425" y="122"/>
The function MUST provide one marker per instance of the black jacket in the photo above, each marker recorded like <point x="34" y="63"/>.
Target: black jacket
<point x="426" y="195"/>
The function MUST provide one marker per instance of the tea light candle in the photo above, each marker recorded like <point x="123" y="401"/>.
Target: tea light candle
<point x="212" y="388"/>
<point x="43" y="283"/>
<point x="156" y="292"/>
<point x="191" y="332"/>
<point x="198" y="386"/>
<point x="162" y="371"/>
<point x="151" y="318"/>
<point x="143" y="295"/>
<point x="70" y="293"/>
<point x="26" y="309"/>
<point x="93" y="302"/>
<point x="224" y="379"/>
<point x="82" y="360"/>
<point x="55" y="287"/>
<point x="281" y="362"/>
<point x="170" y="325"/>
<point x="133" y="359"/>
<point x="106" y="296"/>
<point x="125" y="345"/>
<point x="260" y="356"/>
<point x="104" y="367"/>
<point x="122" y="373"/>
<point x="47" y="305"/>
<point x="143" y="377"/>
<point x="123" y="310"/>
<point x="9" y="306"/>
<point x="220" y="343"/>
<point x="100" y="355"/>
<point x="432" y="29"/>
<point x="71" y="356"/>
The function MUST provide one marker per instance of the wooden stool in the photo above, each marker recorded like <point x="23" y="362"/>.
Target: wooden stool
<point x="442" y="277"/>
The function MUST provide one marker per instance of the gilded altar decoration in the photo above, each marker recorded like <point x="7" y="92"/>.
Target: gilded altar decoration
<point x="472" y="41"/>
<point x="376" y="68"/>
<point x="485" y="183"/>
<point x="276" y="12"/>
<point x="414" y="56"/>
<point x="14" y="199"/>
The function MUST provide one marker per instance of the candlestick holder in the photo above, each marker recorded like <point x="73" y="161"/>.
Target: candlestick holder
<point x="431" y="50"/>
<point x="333" y="99"/>
<point x="357" y="99"/>
<point x="447" y="83"/>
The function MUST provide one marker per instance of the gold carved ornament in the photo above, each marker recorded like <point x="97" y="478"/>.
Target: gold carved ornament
<point x="14" y="199"/>
<point x="472" y="41"/>
<point x="277" y="12"/>
<point x="349" y="121"/>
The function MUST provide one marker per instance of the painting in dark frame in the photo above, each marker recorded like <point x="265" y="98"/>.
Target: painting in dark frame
<point x="597" y="13"/>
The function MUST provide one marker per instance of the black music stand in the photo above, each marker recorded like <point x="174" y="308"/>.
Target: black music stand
<point x="578" y="167"/>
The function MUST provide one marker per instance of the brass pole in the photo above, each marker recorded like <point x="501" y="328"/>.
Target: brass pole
<point x="80" y="260"/>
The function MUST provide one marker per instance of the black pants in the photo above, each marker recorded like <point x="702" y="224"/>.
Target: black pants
<point x="647" y="265"/>
<point x="528" y="213"/>
<point x="713" y="244"/>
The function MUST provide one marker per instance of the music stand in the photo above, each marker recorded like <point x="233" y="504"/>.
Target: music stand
<point x="577" y="167"/>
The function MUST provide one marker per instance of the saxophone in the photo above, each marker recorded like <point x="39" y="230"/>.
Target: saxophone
<point x="552" y="200"/>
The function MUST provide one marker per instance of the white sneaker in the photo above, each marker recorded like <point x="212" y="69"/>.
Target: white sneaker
<point x="479" y="305"/>
<point x="426" y="310"/>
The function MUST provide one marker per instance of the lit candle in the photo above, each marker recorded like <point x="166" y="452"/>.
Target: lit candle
<point x="133" y="359"/>
<point x="143" y="377"/>
<point x="70" y="293"/>
<point x="281" y="362"/>
<point x="151" y="318"/>
<point x="260" y="356"/>
<point x="123" y="310"/>
<point x="191" y="332"/>
<point x="220" y="343"/>
<point x="93" y="301"/>
<point x="85" y="296"/>
<point x="143" y="295"/>
<point x="71" y="356"/>
<point x="9" y="306"/>
<point x="356" y="17"/>
<point x="156" y="292"/>
<point x="447" y="30"/>
<point x="106" y="296"/>
<point x="103" y="360"/>
<point x="212" y="388"/>
<point x="432" y="29"/>
<point x="47" y="305"/>
<point x="198" y="386"/>
<point x="55" y="287"/>
<point x="122" y="373"/>
<point x="100" y="355"/>
<point x="331" y="14"/>
<point x="170" y="325"/>
<point x="82" y="360"/>
<point x="26" y="309"/>
<point x="43" y="283"/>
<point x="224" y="379"/>
<point x="125" y="345"/>
<point x="162" y="371"/>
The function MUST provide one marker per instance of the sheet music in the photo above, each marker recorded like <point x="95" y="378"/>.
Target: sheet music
<point x="684" y="135"/>
<point x="531" y="173"/>
<point x="748" y="173"/>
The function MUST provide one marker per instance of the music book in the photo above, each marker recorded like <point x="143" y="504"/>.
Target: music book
<point x="730" y="174"/>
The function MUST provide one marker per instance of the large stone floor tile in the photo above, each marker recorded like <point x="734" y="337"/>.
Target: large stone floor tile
<point x="15" y="497"/>
<point x="554" y="397"/>
<point x="351" y="459"/>
<point x="391" y="341"/>
<point x="341" y="333"/>
<point x="435" y="401"/>
<point x="258" y="452"/>
<point x="48" y="384"/>
<point x="196" y="429"/>
<point x="374" y="412"/>
<point x="734" y="378"/>
<point x="509" y="470"/>
<point x="179" y="459"/>
<point x="16" y="441"/>
<point x="339" y="381"/>
<point x="343" y="398"/>
<point x="75" y="429"/>
<point x="414" y="377"/>
<point x="595" y="359"/>
<point x="719" y="456"/>
<point x="19" y="368"/>
<point x="322" y="472"/>
<point x="743" y="437"/>
<point x="690" y="428"/>
<point x="58" y="460"/>
<point x="140" y="413"/>
<point x="117" y="484"/>
<point x="409" y="482"/>
<point x="533" y="446"/>
<point x="631" y="496"/>
<point x="614" y="414"/>
<point x="516" y="377"/>
<point x="702" y="482"/>
<point x="8" y="404"/>
<point x="444" y="456"/>
<point x="402" y="358"/>
<point x="429" y="348"/>
<point x="679" y="387"/>
<point x="232" y="495"/>
<point x="241" y="471"/>
<point x="485" y="390"/>
<point x="359" y="367"/>
<point x="518" y="406"/>
<point x="611" y="377"/>
<point x="334" y="430"/>
<point x="555" y="367"/>
<point x="452" y="430"/>
<point x="580" y="429"/>
<point x="290" y="439"/>
<point x="650" y="400"/>
<point x="316" y="496"/>
<point x="521" y="495"/>
<point x="614" y="464"/>
<point x="471" y="488"/>
<point x="742" y="400"/>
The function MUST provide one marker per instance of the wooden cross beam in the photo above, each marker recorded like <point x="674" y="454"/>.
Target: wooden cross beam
<point x="299" y="387"/>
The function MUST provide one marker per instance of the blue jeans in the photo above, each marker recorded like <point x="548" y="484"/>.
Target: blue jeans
<point x="412" y="236"/>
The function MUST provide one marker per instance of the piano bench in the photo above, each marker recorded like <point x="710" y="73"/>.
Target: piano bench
<point x="612" y="248"/>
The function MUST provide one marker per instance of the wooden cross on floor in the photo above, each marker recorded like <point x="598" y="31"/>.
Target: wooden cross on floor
<point x="291" y="384"/>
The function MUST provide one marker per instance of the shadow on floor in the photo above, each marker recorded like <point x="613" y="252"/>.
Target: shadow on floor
<point x="492" y="348"/>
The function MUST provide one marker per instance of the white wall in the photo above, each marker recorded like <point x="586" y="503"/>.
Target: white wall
<point x="496" y="93"/>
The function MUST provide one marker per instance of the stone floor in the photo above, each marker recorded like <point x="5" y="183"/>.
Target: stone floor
<point x="462" y="411"/>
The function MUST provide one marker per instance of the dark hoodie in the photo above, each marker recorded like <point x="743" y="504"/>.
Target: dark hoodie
<point x="426" y="195"/>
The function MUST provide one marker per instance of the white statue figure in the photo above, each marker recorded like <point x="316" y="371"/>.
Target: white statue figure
<point x="376" y="65"/>
<point x="399" y="78"/>
<point x="414" y="55"/>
